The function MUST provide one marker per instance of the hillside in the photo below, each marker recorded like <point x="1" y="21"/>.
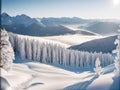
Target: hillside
<point x="45" y="64"/>
<point x="38" y="76"/>
<point x="37" y="30"/>
<point x="99" y="45"/>
<point x="103" y="27"/>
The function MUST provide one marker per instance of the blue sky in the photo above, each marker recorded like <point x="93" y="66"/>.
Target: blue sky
<point x="63" y="8"/>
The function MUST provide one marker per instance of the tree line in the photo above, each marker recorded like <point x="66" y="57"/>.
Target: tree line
<point x="47" y="52"/>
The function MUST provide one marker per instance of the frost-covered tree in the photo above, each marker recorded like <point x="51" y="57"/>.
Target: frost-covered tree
<point x="49" y="52"/>
<point x="6" y="51"/>
<point x="97" y="69"/>
<point x="28" y="48"/>
<point x="117" y="58"/>
<point x="22" y="48"/>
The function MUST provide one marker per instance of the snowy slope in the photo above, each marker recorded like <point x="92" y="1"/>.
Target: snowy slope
<point x="105" y="45"/>
<point x="103" y="82"/>
<point x="36" y="76"/>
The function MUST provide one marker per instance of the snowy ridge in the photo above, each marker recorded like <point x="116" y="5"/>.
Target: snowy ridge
<point x="105" y="44"/>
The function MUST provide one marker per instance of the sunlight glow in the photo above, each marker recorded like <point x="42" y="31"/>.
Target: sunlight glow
<point x="116" y="2"/>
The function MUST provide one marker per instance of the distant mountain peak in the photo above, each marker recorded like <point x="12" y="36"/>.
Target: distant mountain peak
<point x="4" y="14"/>
<point x="23" y="16"/>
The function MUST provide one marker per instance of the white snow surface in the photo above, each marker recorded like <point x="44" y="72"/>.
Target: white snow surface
<point x="103" y="82"/>
<point x="37" y="76"/>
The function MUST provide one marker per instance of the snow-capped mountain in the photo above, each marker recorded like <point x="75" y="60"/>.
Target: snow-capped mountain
<point x="63" y="20"/>
<point x="48" y="22"/>
<point x="23" y="24"/>
<point x="19" y="19"/>
<point x="6" y="19"/>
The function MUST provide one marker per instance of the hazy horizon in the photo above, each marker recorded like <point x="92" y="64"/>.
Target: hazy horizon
<point x="87" y="9"/>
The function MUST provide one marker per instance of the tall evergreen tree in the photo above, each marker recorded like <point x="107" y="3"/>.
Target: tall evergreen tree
<point x="6" y="51"/>
<point x="117" y="52"/>
<point x="97" y="69"/>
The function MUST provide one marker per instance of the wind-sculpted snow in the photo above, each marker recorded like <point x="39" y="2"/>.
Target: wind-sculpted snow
<point x="4" y="85"/>
<point x="38" y="76"/>
<point x="41" y="50"/>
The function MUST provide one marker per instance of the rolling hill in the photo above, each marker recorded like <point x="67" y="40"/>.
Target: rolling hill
<point x="104" y="45"/>
<point x="103" y="28"/>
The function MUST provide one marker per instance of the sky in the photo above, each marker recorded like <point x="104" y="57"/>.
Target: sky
<point x="100" y="9"/>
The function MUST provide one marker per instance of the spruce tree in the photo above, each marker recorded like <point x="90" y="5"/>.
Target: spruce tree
<point x="117" y="52"/>
<point x="97" y="69"/>
<point x="6" y="51"/>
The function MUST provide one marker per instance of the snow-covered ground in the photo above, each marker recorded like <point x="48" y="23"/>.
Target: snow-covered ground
<point x="28" y="75"/>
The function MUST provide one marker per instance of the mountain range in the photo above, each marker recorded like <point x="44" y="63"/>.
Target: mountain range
<point x="23" y="24"/>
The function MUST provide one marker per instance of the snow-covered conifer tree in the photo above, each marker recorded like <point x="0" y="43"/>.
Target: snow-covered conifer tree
<point x="38" y="51"/>
<point x="28" y="43"/>
<point x="22" y="48"/>
<point x="6" y="51"/>
<point x="34" y="50"/>
<point x="117" y="58"/>
<point x="97" y="69"/>
<point x="47" y="52"/>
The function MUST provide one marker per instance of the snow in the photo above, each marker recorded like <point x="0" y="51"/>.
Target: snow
<point x="6" y="50"/>
<point x="103" y="82"/>
<point x="98" y="68"/>
<point x="32" y="75"/>
<point x="37" y="49"/>
<point x="37" y="76"/>
<point x="64" y="40"/>
<point x="117" y="52"/>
